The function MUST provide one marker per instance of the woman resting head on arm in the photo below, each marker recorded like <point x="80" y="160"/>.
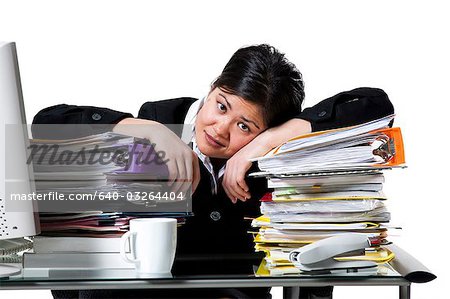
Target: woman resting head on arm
<point x="258" y="89"/>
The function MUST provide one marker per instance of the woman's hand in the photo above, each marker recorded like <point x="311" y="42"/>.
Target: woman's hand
<point x="237" y="166"/>
<point x="182" y="162"/>
<point x="234" y="177"/>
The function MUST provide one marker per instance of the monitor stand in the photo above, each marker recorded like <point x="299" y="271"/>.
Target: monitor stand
<point x="9" y="270"/>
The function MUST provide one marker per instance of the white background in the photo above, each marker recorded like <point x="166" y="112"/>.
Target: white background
<point x="118" y="54"/>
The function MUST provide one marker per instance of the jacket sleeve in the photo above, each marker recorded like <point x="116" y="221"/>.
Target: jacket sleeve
<point x="172" y="111"/>
<point x="86" y="120"/>
<point x="348" y="108"/>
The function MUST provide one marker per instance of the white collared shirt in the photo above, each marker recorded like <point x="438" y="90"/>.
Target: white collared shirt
<point x="189" y="136"/>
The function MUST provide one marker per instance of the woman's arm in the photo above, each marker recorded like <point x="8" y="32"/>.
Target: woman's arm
<point x="347" y="108"/>
<point x="237" y="166"/>
<point x="179" y="154"/>
<point x="182" y="162"/>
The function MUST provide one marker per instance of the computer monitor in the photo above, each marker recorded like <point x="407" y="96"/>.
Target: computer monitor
<point x="15" y="174"/>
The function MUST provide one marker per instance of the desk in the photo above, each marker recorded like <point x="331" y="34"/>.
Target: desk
<point x="66" y="279"/>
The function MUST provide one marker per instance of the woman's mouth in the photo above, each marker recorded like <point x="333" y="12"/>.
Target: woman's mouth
<point x="213" y="142"/>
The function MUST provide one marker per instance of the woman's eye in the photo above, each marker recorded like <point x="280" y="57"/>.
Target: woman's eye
<point x="221" y="106"/>
<point x="243" y="127"/>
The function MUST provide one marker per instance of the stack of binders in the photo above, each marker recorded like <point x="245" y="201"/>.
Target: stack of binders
<point x="326" y="184"/>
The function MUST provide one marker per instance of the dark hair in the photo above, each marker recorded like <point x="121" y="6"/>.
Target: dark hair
<point x="262" y="75"/>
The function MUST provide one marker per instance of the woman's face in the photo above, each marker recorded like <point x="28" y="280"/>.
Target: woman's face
<point x="226" y="123"/>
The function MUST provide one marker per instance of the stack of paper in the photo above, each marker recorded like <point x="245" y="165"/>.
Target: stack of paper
<point x="87" y="224"/>
<point x="89" y="180"/>
<point x="325" y="184"/>
<point x="96" y="224"/>
<point x="70" y="164"/>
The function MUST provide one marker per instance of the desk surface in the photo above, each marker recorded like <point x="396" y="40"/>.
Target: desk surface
<point x="193" y="274"/>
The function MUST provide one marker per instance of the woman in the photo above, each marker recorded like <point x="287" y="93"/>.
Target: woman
<point x="254" y="105"/>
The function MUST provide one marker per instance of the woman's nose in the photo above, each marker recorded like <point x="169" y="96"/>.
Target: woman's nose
<point x="222" y="128"/>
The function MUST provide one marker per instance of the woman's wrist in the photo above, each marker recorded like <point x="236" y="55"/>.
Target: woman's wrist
<point x="126" y="121"/>
<point x="136" y="121"/>
<point x="136" y="127"/>
<point x="277" y="135"/>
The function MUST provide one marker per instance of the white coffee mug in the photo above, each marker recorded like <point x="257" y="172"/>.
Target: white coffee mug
<point x="152" y="243"/>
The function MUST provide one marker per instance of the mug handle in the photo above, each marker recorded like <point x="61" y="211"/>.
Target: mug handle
<point x="123" y="243"/>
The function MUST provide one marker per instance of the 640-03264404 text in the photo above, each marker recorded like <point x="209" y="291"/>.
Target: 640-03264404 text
<point x="99" y="195"/>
